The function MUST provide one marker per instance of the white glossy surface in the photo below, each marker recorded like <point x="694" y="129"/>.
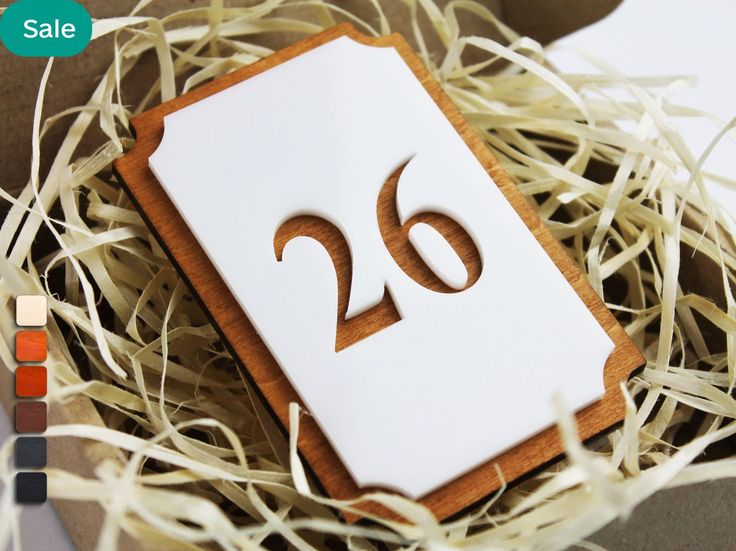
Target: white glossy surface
<point x="409" y="407"/>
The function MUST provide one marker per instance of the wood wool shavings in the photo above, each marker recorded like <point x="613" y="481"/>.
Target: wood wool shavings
<point x="630" y="207"/>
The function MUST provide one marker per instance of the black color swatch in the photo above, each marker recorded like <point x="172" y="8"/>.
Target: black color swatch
<point x="30" y="452"/>
<point x="30" y="487"/>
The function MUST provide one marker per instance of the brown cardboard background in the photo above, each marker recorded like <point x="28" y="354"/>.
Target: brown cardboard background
<point x="72" y="79"/>
<point x="692" y="517"/>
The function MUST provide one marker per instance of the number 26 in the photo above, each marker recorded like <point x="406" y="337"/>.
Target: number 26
<point x="431" y="248"/>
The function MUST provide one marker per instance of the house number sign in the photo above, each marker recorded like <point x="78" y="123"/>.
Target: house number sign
<point x="363" y="254"/>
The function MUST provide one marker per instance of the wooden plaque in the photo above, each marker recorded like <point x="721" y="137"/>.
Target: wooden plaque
<point x="255" y="357"/>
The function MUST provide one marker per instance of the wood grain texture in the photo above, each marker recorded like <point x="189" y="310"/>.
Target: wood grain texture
<point x="30" y="381"/>
<point x="30" y="346"/>
<point x="30" y="417"/>
<point x="251" y="353"/>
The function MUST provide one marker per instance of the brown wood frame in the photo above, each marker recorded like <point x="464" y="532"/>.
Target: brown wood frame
<point x="251" y="353"/>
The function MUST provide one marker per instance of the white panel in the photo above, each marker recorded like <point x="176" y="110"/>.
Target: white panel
<point x="463" y="376"/>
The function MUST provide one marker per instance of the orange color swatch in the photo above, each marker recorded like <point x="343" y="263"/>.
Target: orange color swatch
<point x="30" y="346"/>
<point x="30" y="381"/>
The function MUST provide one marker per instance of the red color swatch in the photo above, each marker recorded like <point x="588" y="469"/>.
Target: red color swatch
<point x="30" y="381"/>
<point x="30" y="346"/>
<point x="30" y="417"/>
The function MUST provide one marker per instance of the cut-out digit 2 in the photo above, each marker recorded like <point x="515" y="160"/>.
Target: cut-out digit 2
<point x="348" y="331"/>
<point x="396" y="238"/>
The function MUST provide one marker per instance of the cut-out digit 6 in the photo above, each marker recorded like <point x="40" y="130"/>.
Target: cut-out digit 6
<point x="398" y="240"/>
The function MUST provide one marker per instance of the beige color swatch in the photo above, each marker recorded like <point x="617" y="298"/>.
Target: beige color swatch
<point x="30" y="310"/>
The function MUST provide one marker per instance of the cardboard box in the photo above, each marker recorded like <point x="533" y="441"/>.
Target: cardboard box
<point x="72" y="81"/>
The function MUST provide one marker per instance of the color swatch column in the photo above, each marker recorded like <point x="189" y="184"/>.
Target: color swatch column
<point x="30" y="388"/>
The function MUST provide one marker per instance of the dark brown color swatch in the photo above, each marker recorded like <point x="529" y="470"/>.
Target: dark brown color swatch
<point x="30" y="417"/>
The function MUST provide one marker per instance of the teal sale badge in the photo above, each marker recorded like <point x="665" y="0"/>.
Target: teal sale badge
<point x="45" y="28"/>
